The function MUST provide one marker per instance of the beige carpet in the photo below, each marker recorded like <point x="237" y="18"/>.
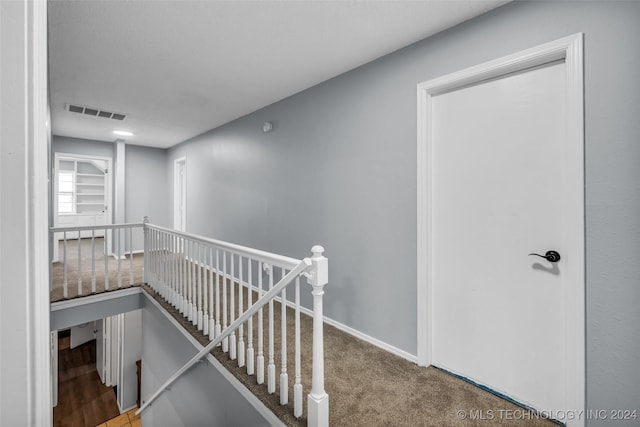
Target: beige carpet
<point x="368" y="386"/>
<point x="117" y="275"/>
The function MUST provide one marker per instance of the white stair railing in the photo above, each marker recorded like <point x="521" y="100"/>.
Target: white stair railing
<point x="203" y="277"/>
<point x="102" y="242"/>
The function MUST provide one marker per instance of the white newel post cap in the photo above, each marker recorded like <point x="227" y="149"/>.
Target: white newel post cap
<point x="320" y="276"/>
<point x="145" y="220"/>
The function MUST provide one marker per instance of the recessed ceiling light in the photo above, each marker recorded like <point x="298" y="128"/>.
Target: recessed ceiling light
<point x="123" y="132"/>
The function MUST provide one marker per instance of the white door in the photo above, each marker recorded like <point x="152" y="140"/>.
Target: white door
<point x="100" y="346"/>
<point x="503" y="186"/>
<point x="180" y="194"/>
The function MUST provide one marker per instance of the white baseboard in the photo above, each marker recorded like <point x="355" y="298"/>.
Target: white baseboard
<point x="127" y="409"/>
<point x="367" y="338"/>
<point x="344" y="328"/>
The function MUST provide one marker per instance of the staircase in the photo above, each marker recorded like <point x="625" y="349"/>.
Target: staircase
<point x="228" y="293"/>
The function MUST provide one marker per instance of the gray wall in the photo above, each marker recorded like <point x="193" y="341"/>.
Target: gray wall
<point x="146" y="188"/>
<point x="201" y="397"/>
<point x="339" y="169"/>
<point x="64" y="144"/>
<point x="147" y="185"/>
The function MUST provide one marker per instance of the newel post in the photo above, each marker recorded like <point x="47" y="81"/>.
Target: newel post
<point x="318" y="400"/>
<point x="145" y="267"/>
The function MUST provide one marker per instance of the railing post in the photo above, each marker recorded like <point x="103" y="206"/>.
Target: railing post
<point x="145" y="267"/>
<point x="318" y="400"/>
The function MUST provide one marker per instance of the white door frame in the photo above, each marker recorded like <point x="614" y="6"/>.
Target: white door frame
<point x="108" y="192"/>
<point x="182" y="224"/>
<point x="570" y="50"/>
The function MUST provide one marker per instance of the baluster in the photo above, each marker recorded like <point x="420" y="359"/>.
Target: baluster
<point x="165" y="266"/>
<point x="199" y="290"/>
<point x="93" y="261"/>
<point x="161" y="287"/>
<point x="284" y="376"/>
<point x="65" y="288"/>
<point x="190" y="296"/>
<point x="232" y="307"/>
<point x="212" y="323"/>
<point x="146" y="254"/>
<point x="182" y="277"/>
<point x="106" y="260"/>
<point x="160" y="264"/>
<point x="194" y="285"/>
<point x="174" y="271"/>
<point x="79" y="264"/>
<point x="154" y="259"/>
<point x="156" y="249"/>
<point x="271" y="366"/>
<point x="130" y="256"/>
<point x="225" y="340"/>
<point x="119" y="260"/>
<point x="297" y="387"/>
<point x="318" y="400"/>
<point x="218" y="328"/>
<point x="151" y="276"/>
<point x="205" y="289"/>
<point x="250" y="361"/>
<point x="241" y="350"/>
<point x="260" y="357"/>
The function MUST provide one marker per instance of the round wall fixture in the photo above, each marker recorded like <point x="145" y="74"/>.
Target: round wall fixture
<point x="267" y="127"/>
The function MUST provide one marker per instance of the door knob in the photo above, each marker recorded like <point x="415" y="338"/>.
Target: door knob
<point x="551" y="256"/>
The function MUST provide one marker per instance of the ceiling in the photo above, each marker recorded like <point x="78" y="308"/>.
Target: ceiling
<point x="179" y="68"/>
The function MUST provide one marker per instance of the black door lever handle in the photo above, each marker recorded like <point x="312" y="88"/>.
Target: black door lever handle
<point x="551" y="256"/>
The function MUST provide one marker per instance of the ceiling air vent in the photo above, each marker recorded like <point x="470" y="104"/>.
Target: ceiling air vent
<point x="95" y="112"/>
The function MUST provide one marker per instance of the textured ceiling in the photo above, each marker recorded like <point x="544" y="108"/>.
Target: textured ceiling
<point x="180" y="68"/>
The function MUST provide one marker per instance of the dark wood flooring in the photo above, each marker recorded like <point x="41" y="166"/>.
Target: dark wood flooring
<point x="83" y="401"/>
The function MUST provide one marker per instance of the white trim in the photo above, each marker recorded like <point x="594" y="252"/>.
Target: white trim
<point x="38" y="126"/>
<point x="271" y="418"/>
<point x="91" y="299"/>
<point x="361" y="335"/>
<point x="183" y="223"/>
<point x="571" y="50"/>
<point x="108" y="180"/>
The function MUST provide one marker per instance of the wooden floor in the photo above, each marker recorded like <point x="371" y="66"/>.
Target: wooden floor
<point x="83" y="401"/>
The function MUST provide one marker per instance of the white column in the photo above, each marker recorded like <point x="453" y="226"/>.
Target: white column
<point x="318" y="400"/>
<point x="118" y="212"/>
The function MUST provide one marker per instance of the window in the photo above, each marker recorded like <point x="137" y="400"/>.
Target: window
<point x="65" y="192"/>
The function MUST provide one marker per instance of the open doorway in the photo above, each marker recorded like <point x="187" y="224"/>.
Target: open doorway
<point x="81" y="195"/>
<point x="95" y="369"/>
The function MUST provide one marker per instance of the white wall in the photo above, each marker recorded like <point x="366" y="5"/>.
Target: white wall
<point x="24" y="321"/>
